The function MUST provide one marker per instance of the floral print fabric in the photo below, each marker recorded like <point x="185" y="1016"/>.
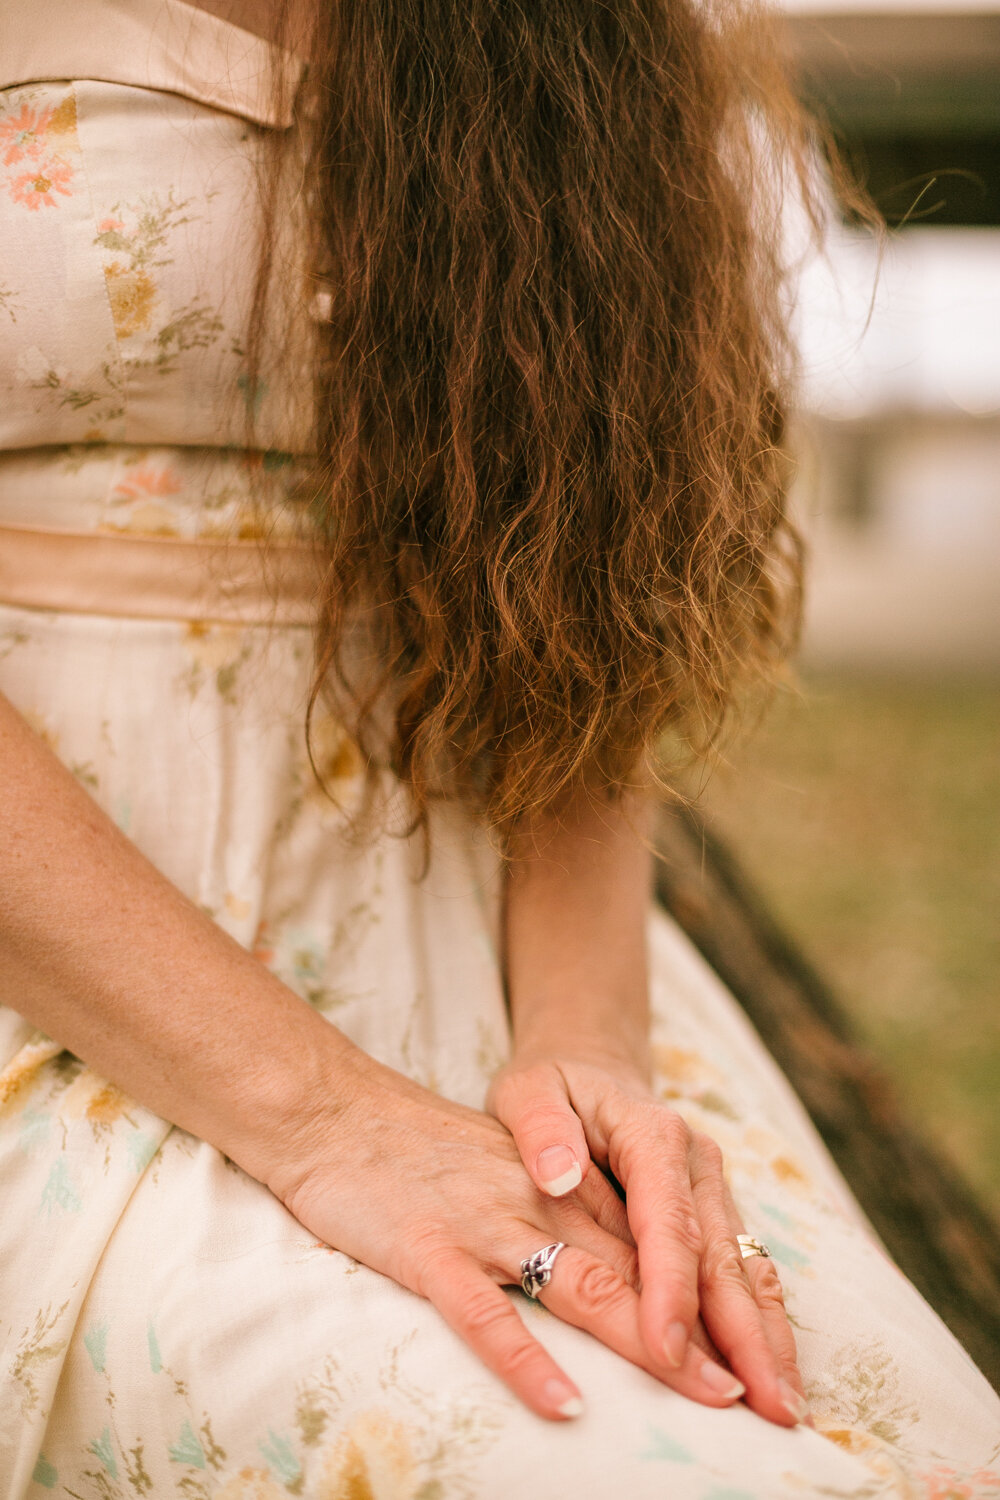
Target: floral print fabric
<point x="167" y="1329"/>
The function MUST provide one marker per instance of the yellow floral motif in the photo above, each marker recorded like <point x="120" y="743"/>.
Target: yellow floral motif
<point x="861" y="1394"/>
<point x="62" y="120"/>
<point x="132" y="294"/>
<point x="372" y="1460"/>
<point x="90" y="1097"/>
<point x="251" y="1484"/>
<point x="335" y="753"/>
<point x="680" y="1064"/>
<point x="788" y="1171"/>
<point x="876" y="1455"/>
<point x="23" y="1071"/>
<point x="147" y="518"/>
<point x="217" y="650"/>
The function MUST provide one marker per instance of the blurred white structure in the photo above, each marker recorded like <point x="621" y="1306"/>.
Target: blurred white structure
<point x="900" y="468"/>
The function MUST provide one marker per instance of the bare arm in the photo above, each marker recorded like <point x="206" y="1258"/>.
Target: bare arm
<point x="102" y="952"/>
<point x="578" y="1088"/>
<point x="576" y="935"/>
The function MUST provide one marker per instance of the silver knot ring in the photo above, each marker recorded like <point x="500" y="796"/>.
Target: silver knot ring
<point x="536" y="1271"/>
<point x="749" y="1246"/>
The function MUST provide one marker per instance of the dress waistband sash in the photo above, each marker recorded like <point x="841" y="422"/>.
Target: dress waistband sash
<point x="159" y="578"/>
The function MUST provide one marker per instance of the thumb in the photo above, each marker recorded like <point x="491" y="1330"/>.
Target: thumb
<point x="534" y="1105"/>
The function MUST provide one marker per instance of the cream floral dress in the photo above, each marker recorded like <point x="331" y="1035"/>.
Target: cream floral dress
<point x="167" y="1329"/>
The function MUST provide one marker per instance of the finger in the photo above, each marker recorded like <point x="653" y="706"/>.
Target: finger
<point x="728" y="1306"/>
<point x="482" y="1315"/>
<point x="534" y="1106"/>
<point x="603" y="1204"/>
<point x="651" y="1160"/>
<point x="576" y="1226"/>
<point x="765" y="1286"/>
<point x="589" y="1294"/>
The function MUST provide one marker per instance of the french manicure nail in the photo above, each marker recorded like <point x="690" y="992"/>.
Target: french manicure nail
<point x="566" y="1401"/>
<point x="792" y="1402"/>
<point x="721" y="1382"/>
<point x="675" y="1344"/>
<point x="558" y="1170"/>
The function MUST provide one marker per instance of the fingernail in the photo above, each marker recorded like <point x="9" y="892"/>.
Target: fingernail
<point x="721" y="1382"/>
<point x="675" y="1344"/>
<point x="558" y="1170"/>
<point x="792" y="1402"/>
<point x="563" y="1397"/>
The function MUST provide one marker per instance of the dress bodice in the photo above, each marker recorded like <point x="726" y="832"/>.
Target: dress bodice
<point x="132" y="137"/>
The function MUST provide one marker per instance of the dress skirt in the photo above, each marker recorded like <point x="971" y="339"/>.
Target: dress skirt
<point x="168" y="1329"/>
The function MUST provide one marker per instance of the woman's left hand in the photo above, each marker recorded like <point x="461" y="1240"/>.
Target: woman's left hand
<point x="566" y="1114"/>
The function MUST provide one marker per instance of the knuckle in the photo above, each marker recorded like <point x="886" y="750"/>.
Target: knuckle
<point x="767" y="1287"/>
<point x="420" y="1258"/>
<point x="683" y="1228"/>
<point x="598" y="1287"/>
<point x="722" y="1266"/>
<point x="484" y="1315"/>
<point x="513" y="1086"/>
<point x="544" y="1118"/>
<point x="520" y="1356"/>
<point x="649" y="1123"/>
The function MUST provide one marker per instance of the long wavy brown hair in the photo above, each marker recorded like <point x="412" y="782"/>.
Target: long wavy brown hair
<point x="553" y="392"/>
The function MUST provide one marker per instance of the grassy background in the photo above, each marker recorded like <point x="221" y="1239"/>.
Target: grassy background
<point x="867" y="811"/>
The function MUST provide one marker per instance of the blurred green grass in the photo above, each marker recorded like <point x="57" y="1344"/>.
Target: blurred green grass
<point x="867" y="811"/>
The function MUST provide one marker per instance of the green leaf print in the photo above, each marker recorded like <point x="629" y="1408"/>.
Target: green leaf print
<point x="142" y="1147"/>
<point x="101" y="1448"/>
<point x="45" y="1474"/>
<point x="96" y="1340"/>
<point x="59" y="1191"/>
<point x="664" y="1448"/>
<point x="34" y="1129"/>
<point x="281" y="1457"/>
<point x="155" y="1362"/>
<point x="187" y="1449"/>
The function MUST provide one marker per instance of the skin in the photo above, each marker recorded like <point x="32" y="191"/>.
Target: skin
<point x="444" y="1199"/>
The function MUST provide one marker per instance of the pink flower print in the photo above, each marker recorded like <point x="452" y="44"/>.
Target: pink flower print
<point x="36" y="187"/>
<point x="948" y="1484"/>
<point x="147" y="481"/>
<point x="23" y="135"/>
<point x="109" y="226"/>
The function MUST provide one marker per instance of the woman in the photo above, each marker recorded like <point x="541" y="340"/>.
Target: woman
<point x="470" y="324"/>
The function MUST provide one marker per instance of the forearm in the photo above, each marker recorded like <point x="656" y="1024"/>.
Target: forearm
<point x="575" y="935"/>
<point x="103" y="953"/>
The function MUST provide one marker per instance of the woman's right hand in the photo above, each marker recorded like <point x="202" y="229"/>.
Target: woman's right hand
<point x="436" y="1196"/>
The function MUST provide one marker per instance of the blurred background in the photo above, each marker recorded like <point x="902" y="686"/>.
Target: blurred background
<point x="866" y="807"/>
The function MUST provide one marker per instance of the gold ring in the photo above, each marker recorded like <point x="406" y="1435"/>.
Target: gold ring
<point x="749" y="1246"/>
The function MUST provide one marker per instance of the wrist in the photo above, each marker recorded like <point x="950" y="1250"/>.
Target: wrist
<point x="291" y="1115"/>
<point x="601" y="1034"/>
